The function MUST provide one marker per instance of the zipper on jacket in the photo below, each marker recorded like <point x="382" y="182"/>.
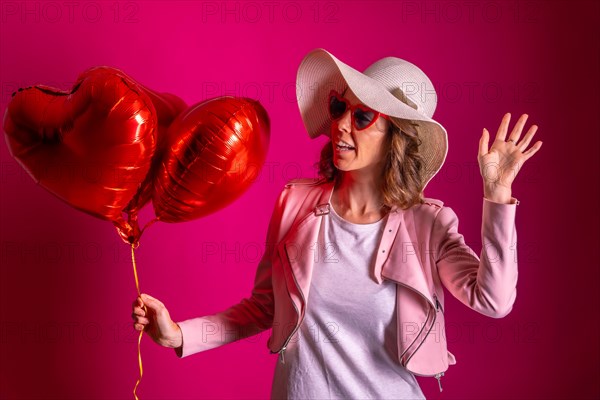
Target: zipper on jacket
<point x="300" y="319"/>
<point x="439" y="378"/>
<point x="282" y="352"/>
<point x="439" y="375"/>
<point x="432" y="325"/>
<point x="438" y="305"/>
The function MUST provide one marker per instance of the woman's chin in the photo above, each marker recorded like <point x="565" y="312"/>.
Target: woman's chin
<point x="341" y="166"/>
<point x="340" y="163"/>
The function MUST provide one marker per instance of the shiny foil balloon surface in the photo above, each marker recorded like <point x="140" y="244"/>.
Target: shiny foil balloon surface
<point x="216" y="149"/>
<point x="168" y="107"/>
<point x="91" y="146"/>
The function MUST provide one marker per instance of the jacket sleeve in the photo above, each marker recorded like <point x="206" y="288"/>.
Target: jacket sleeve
<point x="487" y="285"/>
<point x="247" y="318"/>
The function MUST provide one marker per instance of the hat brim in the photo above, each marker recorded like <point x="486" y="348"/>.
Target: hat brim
<point x="320" y="72"/>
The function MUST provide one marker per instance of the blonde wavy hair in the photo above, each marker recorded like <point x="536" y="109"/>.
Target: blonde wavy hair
<point x="403" y="170"/>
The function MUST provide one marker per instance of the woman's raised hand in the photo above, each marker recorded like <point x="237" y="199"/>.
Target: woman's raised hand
<point x="502" y="162"/>
<point x="152" y="316"/>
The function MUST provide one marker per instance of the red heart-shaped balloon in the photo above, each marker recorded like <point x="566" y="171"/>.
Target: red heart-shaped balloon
<point x="216" y="149"/>
<point x="91" y="146"/>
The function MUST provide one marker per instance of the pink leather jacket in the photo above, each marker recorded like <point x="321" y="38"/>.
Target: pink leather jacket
<point x="421" y="251"/>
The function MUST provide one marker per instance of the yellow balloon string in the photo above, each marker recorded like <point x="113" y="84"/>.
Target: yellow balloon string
<point x="137" y="285"/>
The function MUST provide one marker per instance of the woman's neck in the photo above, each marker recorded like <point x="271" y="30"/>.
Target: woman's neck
<point x="357" y="197"/>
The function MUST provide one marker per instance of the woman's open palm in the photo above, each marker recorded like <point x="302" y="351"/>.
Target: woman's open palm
<point x="500" y="164"/>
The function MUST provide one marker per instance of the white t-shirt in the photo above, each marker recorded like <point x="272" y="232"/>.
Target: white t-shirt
<point x="346" y="346"/>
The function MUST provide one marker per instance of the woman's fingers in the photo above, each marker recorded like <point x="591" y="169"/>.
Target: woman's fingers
<point x="154" y="306"/>
<point x="518" y="128"/>
<point x="138" y="327"/>
<point x="527" y="138"/>
<point x="501" y="134"/>
<point x="529" y="153"/>
<point x="139" y="311"/>
<point x="138" y="303"/>
<point x="484" y="142"/>
<point x="141" y="320"/>
<point x="151" y="301"/>
<point x="139" y="315"/>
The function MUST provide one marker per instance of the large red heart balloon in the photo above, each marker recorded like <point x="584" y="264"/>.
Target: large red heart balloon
<point x="91" y="146"/>
<point x="216" y="149"/>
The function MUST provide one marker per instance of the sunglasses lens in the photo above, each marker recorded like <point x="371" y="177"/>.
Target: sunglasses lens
<point x="362" y="118"/>
<point x="337" y="108"/>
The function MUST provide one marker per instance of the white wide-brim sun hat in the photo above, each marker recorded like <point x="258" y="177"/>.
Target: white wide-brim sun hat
<point x="392" y="86"/>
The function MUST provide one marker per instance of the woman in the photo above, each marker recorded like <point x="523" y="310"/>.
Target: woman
<point x="383" y="252"/>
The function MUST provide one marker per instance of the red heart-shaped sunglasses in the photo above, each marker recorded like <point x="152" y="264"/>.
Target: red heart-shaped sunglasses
<point x="362" y="116"/>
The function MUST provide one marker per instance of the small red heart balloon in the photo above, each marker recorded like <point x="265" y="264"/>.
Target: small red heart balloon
<point x="216" y="149"/>
<point x="90" y="146"/>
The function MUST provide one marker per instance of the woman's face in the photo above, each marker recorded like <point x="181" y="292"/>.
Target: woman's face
<point x="366" y="147"/>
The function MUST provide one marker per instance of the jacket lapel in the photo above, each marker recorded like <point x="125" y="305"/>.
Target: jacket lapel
<point x="404" y="264"/>
<point x="299" y="248"/>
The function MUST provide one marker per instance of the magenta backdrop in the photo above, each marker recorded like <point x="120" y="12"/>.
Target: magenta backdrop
<point x="66" y="279"/>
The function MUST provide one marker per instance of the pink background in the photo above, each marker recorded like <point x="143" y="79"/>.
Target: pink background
<point x="66" y="279"/>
